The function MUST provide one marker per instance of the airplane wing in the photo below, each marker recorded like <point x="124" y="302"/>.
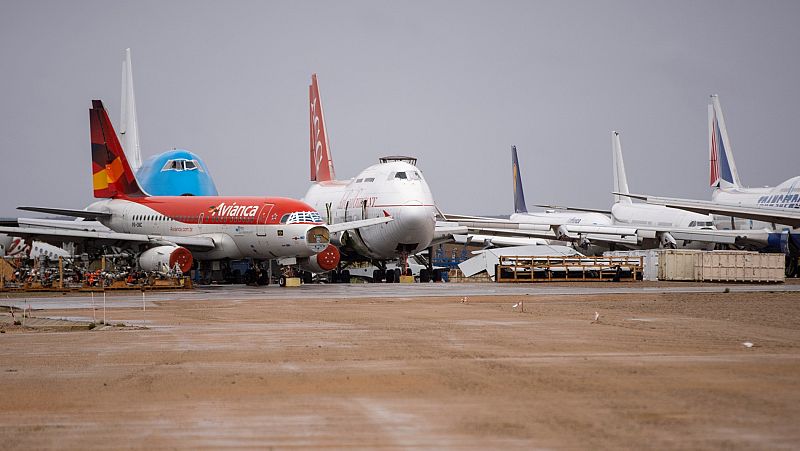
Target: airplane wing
<point x="618" y="234"/>
<point x="455" y="218"/>
<point x="588" y="210"/>
<point x="91" y="226"/>
<point x="777" y="215"/>
<point x="94" y="215"/>
<point x="341" y="227"/>
<point x="58" y="236"/>
<point x="447" y="233"/>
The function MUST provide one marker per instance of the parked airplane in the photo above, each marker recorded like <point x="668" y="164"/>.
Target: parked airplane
<point x="170" y="231"/>
<point x="176" y="172"/>
<point x="393" y="187"/>
<point x="777" y="207"/>
<point x="632" y="226"/>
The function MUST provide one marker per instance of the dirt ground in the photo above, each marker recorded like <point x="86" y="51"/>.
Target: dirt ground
<point x="656" y="371"/>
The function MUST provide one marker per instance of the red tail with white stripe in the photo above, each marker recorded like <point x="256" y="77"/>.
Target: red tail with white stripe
<point x="321" y="162"/>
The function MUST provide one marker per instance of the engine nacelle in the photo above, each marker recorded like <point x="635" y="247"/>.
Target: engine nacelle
<point x="164" y="258"/>
<point x="322" y="262"/>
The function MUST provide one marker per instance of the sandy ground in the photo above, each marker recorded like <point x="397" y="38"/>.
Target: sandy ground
<point x="656" y="371"/>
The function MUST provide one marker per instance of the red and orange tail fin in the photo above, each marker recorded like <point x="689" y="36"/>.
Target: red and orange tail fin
<point x="321" y="162"/>
<point x="111" y="174"/>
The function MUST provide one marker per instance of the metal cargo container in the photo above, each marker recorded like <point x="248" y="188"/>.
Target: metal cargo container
<point x="719" y="266"/>
<point x="677" y="264"/>
<point x="649" y="259"/>
<point x="739" y="266"/>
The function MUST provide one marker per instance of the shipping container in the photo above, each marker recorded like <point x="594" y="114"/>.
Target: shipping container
<point x="720" y="266"/>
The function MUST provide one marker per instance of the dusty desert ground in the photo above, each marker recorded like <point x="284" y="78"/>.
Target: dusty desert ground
<point x="235" y="369"/>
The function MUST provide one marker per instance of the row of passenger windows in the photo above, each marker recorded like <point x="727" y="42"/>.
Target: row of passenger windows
<point x="195" y="219"/>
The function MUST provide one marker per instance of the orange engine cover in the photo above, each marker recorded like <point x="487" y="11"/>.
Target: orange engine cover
<point x="329" y="258"/>
<point x="181" y="256"/>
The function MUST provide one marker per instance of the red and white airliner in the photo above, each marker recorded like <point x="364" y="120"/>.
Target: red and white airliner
<point x="395" y="186"/>
<point x="170" y="231"/>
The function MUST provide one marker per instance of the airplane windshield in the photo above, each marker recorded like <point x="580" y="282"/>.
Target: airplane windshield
<point x="301" y="217"/>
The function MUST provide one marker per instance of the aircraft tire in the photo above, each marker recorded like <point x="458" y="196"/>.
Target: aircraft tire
<point x="397" y="273"/>
<point x="791" y="266"/>
<point x="377" y="276"/>
<point x="282" y="281"/>
<point x="424" y="276"/>
<point x="389" y="276"/>
<point x="437" y="276"/>
<point x="344" y="277"/>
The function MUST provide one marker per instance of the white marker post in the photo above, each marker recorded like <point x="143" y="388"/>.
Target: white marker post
<point x="94" y="310"/>
<point x="104" y="308"/>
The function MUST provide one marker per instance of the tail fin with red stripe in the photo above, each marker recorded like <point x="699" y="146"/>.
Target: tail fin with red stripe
<point x="321" y="162"/>
<point x="722" y="167"/>
<point x="111" y="174"/>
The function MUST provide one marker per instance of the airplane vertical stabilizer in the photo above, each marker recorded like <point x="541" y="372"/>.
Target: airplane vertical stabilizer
<point x="129" y="126"/>
<point x="111" y="174"/>
<point x="722" y="167"/>
<point x="321" y="162"/>
<point x="519" y="195"/>
<point x="620" y="178"/>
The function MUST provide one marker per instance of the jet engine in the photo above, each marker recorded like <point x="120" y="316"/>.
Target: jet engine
<point x="164" y="258"/>
<point x="322" y="262"/>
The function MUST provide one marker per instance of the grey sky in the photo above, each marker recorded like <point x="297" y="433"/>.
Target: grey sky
<point x="453" y="83"/>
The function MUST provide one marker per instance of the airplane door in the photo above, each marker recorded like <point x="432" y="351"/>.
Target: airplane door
<point x="364" y="209"/>
<point x="263" y="219"/>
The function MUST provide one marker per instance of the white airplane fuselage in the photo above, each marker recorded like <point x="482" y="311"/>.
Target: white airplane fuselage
<point x="549" y="217"/>
<point x="395" y="188"/>
<point x="646" y="215"/>
<point x="785" y="195"/>
<point x="253" y="230"/>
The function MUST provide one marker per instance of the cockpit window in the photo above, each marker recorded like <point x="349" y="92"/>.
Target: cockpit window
<point x="369" y="179"/>
<point x="404" y="175"/>
<point x="301" y="216"/>
<point x="182" y="164"/>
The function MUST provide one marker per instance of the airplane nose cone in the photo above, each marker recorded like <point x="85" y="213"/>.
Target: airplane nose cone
<point x="416" y="223"/>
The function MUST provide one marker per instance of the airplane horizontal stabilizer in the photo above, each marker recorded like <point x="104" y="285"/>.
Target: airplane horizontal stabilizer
<point x="68" y="212"/>
<point x="57" y="236"/>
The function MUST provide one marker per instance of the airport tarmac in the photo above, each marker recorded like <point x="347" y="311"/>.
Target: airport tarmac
<point x="445" y="366"/>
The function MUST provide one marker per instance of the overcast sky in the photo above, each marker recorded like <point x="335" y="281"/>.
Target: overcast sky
<point x="452" y="83"/>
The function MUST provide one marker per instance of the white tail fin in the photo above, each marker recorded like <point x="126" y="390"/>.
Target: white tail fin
<point x="129" y="126"/>
<point x="620" y="178"/>
<point x="722" y="167"/>
<point x="321" y="161"/>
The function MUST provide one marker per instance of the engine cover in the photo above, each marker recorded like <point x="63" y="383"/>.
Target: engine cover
<point x="322" y="262"/>
<point x="164" y="258"/>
